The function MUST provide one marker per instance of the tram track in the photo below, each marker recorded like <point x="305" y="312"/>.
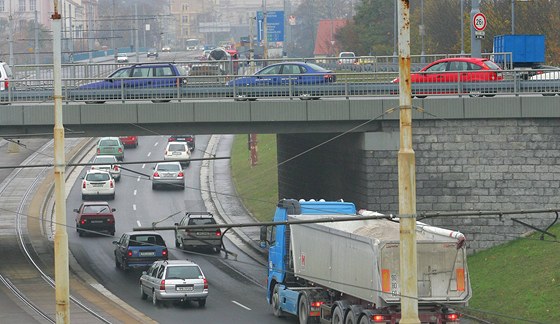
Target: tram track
<point x="28" y="270"/>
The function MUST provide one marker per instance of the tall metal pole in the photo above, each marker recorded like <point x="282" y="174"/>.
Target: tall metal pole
<point x="462" y="28"/>
<point x="136" y="31"/>
<point x="476" y="43"/>
<point x="407" y="178"/>
<point x="11" y="37"/>
<point x="60" y="236"/>
<point x="513" y="17"/>
<point x="265" y="34"/>
<point x="251" y="45"/>
<point x="36" y="46"/>
<point x="422" y="32"/>
<point x="395" y="33"/>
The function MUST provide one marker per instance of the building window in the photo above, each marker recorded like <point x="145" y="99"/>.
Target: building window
<point x="32" y="5"/>
<point x="2" y="8"/>
<point x="21" y="5"/>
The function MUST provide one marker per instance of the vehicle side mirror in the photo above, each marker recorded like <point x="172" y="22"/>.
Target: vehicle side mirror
<point x="176" y="224"/>
<point x="115" y="242"/>
<point x="263" y="239"/>
<point x="144" y="272"/>
<point x="113" y="209"/>
<point x="76" y="210"/>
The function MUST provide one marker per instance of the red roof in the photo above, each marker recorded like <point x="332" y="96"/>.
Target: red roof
<point x="325" y="34"/>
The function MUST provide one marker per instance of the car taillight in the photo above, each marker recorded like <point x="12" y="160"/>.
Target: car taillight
<point x="110" y="220"/>
<point x="452" y="317"/>
<point x="84" y="184"/>
<point x="98" y="151"/>
<point x="171" y="139"/>
<point x="328" y="76"/>
<point x="162" y="285"/>
<point x="205" y="283"/>
<point x="378" y="318"/>
<point x="218" y="232"/>
<point x="129" y="253"/>
<point x="111" y="183"/>
<point x="83" y="221"/>
<point x="120" y="150"/>
<point x="6" y="84"/>
<point x="164" y="252"/>
<point x="156" y="174"/>
<point x="181" y="174"/>
<point x="116" y="167"/>
<point x="189" y="139"/>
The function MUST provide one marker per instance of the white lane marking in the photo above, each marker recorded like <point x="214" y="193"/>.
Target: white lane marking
<point x="149" y="153"/>
<point x="156" y="143"/>
<point x="239" y="304"/>
<point x="138" y="222"/>
<point x="133" y="206"/>
<point x="135" y="192"/>
<point x="137" y="180"/>
<point x="143" y="165"/>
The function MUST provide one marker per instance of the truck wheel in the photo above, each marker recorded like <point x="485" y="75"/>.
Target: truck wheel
<point x="276" y="303"/>
<point x="337" y="316"/>
<point x="351" y="318"/>
<point x="303" y="311"/>
<point x="364" y="320"/>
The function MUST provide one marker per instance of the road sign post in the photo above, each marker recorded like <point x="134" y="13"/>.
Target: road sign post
<point x="479" y="24"/>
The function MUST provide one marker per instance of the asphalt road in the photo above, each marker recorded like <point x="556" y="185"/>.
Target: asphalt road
<point x="236" y="286"/>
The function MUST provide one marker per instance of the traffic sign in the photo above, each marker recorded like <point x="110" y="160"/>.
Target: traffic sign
<point x="479" y="21"/>
<point x="274" y="26"/>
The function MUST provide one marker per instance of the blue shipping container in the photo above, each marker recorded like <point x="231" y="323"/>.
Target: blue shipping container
<point x="525" y="49"/>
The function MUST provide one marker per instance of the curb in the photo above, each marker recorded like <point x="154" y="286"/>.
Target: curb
<point x="210" y="196"/>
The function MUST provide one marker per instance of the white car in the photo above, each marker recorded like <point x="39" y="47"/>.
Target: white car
<point x="551" y="75"/>
<point x="111" y="165"/>
<point x="122" y="58"/>
<point x="177" y="151"/>
<point x="347" y="58"/>
<point x="98" y="183"/>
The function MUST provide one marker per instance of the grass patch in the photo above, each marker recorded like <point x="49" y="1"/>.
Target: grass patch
<point x="519" y="279"/>
<point x="258" y="185"/>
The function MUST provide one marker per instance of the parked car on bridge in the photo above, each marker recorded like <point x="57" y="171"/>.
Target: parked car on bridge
<point x="139" y="249"/>
<point x="93" y="217"/>
<point x="142" y="75"/>
<point x="458" y="69"/>
<point x="347" y="58"/>
<point x="285" y="73"/>
<point x="174" y="280"/>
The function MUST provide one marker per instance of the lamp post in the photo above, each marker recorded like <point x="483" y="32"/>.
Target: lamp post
<point x="422" y="32"/>
<point x="462" y="28"/>
<point x="395" y="34"/>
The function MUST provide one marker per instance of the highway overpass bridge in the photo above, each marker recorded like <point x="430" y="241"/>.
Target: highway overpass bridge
<point x="499" y="153"/>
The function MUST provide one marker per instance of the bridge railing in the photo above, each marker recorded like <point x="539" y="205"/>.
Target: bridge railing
<point x="347" y="80"/>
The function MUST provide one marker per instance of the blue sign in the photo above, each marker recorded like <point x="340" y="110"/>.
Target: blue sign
<point x="274" y="26"/>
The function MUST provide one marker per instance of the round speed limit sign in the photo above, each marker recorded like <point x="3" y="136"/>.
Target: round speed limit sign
<point x="479" y="21"/>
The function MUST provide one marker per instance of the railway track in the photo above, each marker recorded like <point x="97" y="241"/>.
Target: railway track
<point x="28" y="269"/>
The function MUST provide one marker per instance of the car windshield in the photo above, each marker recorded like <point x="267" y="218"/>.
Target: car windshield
<point x="146" y="240"/>
<point x="177" y="147"/>
<point x="98" y="176"/>
<point x="95" y="209"/>
<point x="347" y="55"/>
<point x="168" y="167"/>
<point x="317" y="67"/>
<point x="108" y="143"/>
<point x="201" y="221"/>
<point x="105" y="159"/>
<point x="183" y="272"/>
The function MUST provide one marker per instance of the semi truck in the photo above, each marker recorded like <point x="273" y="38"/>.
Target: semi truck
<point x="348" y="271"/>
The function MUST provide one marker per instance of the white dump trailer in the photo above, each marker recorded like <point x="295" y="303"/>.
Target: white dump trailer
<point x="348" y="272"/>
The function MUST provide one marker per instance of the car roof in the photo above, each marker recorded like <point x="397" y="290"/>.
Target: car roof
<point x="171" y="162"/>
<point x="97" y="171"/>
<point x="179" y="262"/>
<point x="104" y="156"/>
<point x="109" y="137"/>
<point x="92" y="203"/>
<point x="142" y="233"/>
<point x="462" y="59"/>
<point x="199" y="215"/>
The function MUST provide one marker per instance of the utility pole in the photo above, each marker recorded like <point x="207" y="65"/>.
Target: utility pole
<point x="36" y="46"/>
<point x="265" y="34"/>
<point x="251" y="45"/>
<point x="61" y="276"/>
<point x="11" y="37"/>
<point x="136" y="31"/>
<point x="407" y="178"/>
<point x="476" y="43"/>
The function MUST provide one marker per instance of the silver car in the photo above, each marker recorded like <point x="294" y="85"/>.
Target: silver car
<point x="168" y="174"/>
<point x="111" y="165"/>
<point x="174" y="280"/>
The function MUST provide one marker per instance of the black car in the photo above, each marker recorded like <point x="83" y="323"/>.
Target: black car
<point x="190" y="139"/>
<point x="152" y="52"/>
<point x="206" y="238"/>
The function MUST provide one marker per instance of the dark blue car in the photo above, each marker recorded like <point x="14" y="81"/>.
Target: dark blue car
<point x="287" y="73"/>
<point x="139" y="250"/>
<point x="141" y="76"/>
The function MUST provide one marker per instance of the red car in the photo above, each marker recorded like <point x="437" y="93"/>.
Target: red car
<point x="464" y="69"/>
<point x="93" y="217"/>
<point x="129" y="141"/>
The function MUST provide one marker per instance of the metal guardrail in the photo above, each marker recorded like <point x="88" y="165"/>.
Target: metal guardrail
<point x="364" y="78"/>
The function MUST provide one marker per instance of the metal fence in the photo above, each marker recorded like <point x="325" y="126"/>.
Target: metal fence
<point x="365" y="76"/>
